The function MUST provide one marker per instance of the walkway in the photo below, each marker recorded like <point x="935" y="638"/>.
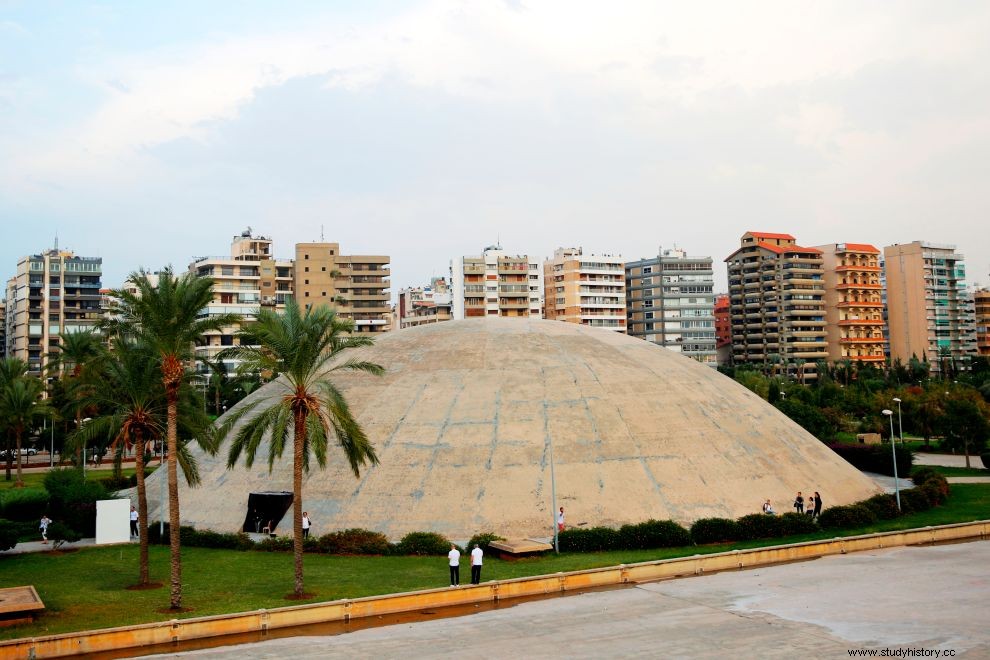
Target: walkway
<point x="947" y="460"/>
<point x="915" y="597"/>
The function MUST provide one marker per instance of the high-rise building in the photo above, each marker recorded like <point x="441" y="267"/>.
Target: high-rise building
<point x="357" y="286"/>
<point x="244" y="282"/>
<point x="585" y="289"/>
<point x="981" y="304"/>
<point x="496" y="284"/>
<point x="670" y="302"/>
<point x="854" y="327"/>
<point x="926" y="304"/>
<point x="3" y="328"/>
<point x="423" y="305"/>
<point x="252" y="278"/>
<point x="723" y="329"/>
<point x="777" y="304"/>
<point x="53" y="293"/>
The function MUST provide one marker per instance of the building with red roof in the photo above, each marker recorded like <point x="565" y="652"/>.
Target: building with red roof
<point x="854" y="325"/>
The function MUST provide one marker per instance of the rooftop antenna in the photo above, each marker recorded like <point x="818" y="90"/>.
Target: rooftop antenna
<point x="56" y="241"/>
<point x="321" y="233"/>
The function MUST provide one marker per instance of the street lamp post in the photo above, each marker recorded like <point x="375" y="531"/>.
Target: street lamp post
<point x="900" y="423"/>
<point x="553" y="500"/>
<point x="893" y="453"/>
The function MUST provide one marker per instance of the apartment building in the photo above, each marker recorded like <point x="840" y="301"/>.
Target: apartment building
<point x="981" y="305"/>
<point x="585" y="289"/>
<point x="496" y="284"/>
<point x="356" y="285"/>
<point x="777" y="305"/>
<point x="51" y="294"/>
<point x="3" y="327"/>
<point x="928" y="313"/>
<point x="423" y="305"/>
<point x="670" y="302"/>
<point x="854" y="324"/>
<point x="247" y="280"/>
<point x="723" y="329"/>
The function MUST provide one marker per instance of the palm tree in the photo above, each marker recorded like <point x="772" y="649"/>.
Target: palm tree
<point x="301" y="348"/>
<point x="10" y="370"/>
<point x="80" y="352"/>
<point x="136" y="415"/>
<point x="168" y="318"/>
<point x="21" y="405"/>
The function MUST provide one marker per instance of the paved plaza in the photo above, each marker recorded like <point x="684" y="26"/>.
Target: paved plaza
<point x="920" y="598"/>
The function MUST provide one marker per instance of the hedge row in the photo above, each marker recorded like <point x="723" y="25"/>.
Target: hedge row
<point x="644" y="535"/>
<point x="876" y="458"/>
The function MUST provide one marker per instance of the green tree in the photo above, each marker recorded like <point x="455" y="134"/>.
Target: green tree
<point x="10" y="370"/>
<point x="307" y="407"/>
<point x="21" y="406"/>
<point x="965" y="426"/>
<point x="77" y="361"/>
<point x="167" y="318"/>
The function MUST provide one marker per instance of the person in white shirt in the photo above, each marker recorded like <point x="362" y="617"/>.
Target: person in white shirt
<point x="476" y="556"/>
<point x="454" y="559"/>
<point x="134" y="522"/>
<point x="306" y="525"/>
<point x="768" y="508"/>
<point x="560" y="520"/>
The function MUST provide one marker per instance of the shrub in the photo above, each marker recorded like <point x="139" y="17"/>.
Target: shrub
<point x="875" y="458"/>
<point x="27" y="504"/>
<point x="715" y="530"/>
<point x="8" y="535"/>
<point x="277" y="544"/>
<point x="483" y="540"/>
<point x="73" y="499"/>
<point x="759" y="526"/>
<point x="797" y="523"/>
<point x="59" y="534"/>
<point x="354" y="542"/>
<point x="841" y="517"/>
<point x="423" y="543"/>
<point x="113" y="484"/>
<point x="934" y="492"/>
<point x="985" y="457"/>
<point x="920" y="475"/>
<point x="653" y="534"/>
<point x="883" y="506"/>
<point x="592" y="539"/>
<point x="914" y="500"/>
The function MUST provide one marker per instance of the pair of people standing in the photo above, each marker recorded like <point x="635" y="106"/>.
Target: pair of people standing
<point x="454" y="561"/>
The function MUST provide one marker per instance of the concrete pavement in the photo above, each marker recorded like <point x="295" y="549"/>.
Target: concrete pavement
<point x="914" y="597"/>
<point x="947" y="460"/>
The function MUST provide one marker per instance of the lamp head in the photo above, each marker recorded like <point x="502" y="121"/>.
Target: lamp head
<point x="888" y="412"/>
<point x="896" y="400"/>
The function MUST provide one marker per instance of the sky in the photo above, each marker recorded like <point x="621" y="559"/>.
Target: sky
<point x="151" y="133"/>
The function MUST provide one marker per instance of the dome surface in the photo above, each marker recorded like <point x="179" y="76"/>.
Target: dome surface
<point x="478" y="422"/>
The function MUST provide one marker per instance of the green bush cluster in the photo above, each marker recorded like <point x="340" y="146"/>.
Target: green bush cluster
<point x="423" y="543"/>
<point x="875" y="458"/>
<point x="641" y="536"/>
<point x="883" y="506"/>
<point x="8" y="535"/>
<point x="483" y="540"/>
<point x="72" y="499"/>
<point x="852" y="515"/>
<point x="24" y="504"/>
<point x="985" y="457"/>
<point x="715" y="530"/>
<point x="354" y="542"/>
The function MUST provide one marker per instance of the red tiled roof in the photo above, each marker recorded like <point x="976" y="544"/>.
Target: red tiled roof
<point x="762" y="234"/>
<point x="862" y="247"/>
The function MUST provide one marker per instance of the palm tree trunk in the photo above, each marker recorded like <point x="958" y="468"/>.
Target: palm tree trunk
<point x="298" y="440"/>
<point x="17" y="434"/>
<point x="172" y="392"/>
<point x="142" y="495"/>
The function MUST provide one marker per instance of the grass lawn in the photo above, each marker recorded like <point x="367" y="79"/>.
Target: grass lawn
<point x="37" y="479"/>
<point x="977" y="471"/>
<point x="86" y="589"/>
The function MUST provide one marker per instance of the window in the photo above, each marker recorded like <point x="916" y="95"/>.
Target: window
<point x="306" y="269"/>
<point x="226" y="340"/>
<point x="324" y="294"/>
<point x="306" y="295"/>
<point x="324" y="269"/>
<point x="305" y="256"/>
<point x="306" y="281"/>
<point x="647" y="270"/>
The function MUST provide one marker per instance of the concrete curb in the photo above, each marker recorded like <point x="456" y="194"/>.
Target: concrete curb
<point x="262" y="621"/>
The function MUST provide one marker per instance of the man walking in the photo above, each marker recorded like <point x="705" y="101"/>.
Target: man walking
<point x="454" y="560"/>
<point x="476" y="556"/>
<point x="43" y="526"/>
<point x="134" y="522"/>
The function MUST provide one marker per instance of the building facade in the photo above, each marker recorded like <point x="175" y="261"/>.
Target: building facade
<point x="356" y="285"/>
<point x="981" y="305"/>
<point x="52" y="293"/>
<point x="670" y="302"/>
<point x="723" y="329"/>
<point x="424" y="305"/>
<point x="777" y="305"/>
<point x="928" y="313"/>
<point x="587" y="290"/>
<point x="855" y="329"/>
<point x="496" y="284"/>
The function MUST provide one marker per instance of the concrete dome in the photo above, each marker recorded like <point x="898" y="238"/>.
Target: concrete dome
<point x="466" y="417"/>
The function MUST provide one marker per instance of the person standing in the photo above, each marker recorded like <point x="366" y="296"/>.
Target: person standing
<point x="306" y="525"/>
<point x="454" y="560"/>
<point x="810" y="509"/>
<point x="43" y="526"/>
<point x="799" y="503"/>
<point x="476" y="556"/>
<point x="818" y="504"/>
<point x="560" y="520"/>
<point x="134" y="522"/>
